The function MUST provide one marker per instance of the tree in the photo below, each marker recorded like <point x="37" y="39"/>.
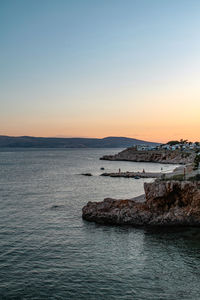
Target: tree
<point x="183" y="141"/>
<point x="172" y="143"/>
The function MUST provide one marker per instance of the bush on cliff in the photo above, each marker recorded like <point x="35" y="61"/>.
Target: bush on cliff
<point x="195" y="178"/>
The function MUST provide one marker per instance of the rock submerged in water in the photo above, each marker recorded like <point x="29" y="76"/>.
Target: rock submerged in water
<point x="167" y="203"/>
<point x="86" y="174"/>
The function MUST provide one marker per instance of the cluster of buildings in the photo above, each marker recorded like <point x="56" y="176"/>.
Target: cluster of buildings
<point x="180" y="146"/>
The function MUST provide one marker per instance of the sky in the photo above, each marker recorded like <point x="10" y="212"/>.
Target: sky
<point x="90" y="68"/>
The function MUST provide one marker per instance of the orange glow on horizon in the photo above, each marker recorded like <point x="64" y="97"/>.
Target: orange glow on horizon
<point x="150" y="120"/>
<point x="133" y="73"/>
<point x="153" y="133"/>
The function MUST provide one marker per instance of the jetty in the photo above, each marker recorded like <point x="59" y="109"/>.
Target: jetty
<point x="135" y="175"/>
<point x="160" y="175"/>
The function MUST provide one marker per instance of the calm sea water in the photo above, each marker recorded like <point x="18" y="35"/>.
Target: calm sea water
<point x="48" y="252"/>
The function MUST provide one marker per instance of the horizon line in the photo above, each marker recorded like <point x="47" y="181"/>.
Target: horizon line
<point x="77" y="137"/>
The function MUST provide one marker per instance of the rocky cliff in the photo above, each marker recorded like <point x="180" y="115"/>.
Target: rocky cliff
<point x="159" y="156"/>
<point x="167" y="203"/>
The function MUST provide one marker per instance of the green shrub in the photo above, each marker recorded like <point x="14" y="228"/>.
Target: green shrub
<point x="195" y="178"/>
<point x="179" y="177"/>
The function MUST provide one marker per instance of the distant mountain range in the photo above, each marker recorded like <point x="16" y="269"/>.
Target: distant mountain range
<point x="43" y="142"/>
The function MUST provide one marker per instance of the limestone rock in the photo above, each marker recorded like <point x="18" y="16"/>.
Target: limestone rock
<point x="167" y="203"/>
<point x="160" y="156"/>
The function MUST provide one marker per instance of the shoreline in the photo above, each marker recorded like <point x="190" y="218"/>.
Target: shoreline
<point x="154" y="156"/>
<point x="172" y="199"/>
<point x="156" y="175"/>
<point x="165" y="203"/>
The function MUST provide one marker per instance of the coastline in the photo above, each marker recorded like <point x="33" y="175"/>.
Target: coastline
<point x="155" y="156"/>
<point x="165" y="203"/>
<point x="171" y="199"/>
<point x="181" y="170"/>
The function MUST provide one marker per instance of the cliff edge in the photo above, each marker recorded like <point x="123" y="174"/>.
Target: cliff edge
<point x="159" y="156"/>
<point x="167" y="203"/>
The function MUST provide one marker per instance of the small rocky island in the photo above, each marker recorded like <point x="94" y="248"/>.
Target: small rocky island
<point x="167" y="201"/>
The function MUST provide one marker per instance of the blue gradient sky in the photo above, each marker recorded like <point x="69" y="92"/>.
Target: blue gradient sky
<point x="97" y="68"/>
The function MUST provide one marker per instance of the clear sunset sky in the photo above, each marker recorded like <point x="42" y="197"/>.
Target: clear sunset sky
<point x="96" y="68"/>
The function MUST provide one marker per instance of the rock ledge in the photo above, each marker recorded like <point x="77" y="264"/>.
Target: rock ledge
<point x="167" y="203"/>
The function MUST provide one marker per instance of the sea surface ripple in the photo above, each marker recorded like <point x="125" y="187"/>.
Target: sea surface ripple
<point x="48" y="252"/>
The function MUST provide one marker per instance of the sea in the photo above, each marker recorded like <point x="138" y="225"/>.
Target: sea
<point x="47" y="251"/>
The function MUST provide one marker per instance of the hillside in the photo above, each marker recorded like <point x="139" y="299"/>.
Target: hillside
<point x="159" y="156"/>
<point x="41" y="142"/>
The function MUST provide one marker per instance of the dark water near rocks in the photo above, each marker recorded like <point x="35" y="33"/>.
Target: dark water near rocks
<point x="48" y="252"/>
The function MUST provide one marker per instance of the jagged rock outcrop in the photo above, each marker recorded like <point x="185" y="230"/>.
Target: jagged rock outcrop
<point x="159" y="156"/>
<point x="167" y="203"/>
